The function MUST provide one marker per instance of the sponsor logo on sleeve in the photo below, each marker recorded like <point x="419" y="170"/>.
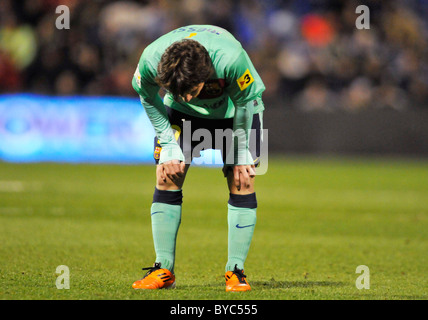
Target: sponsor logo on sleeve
<point x="245" y="80"/>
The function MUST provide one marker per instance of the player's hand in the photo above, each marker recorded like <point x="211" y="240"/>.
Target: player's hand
<point x="173" y="169"/>
<point x="242" y="175"/>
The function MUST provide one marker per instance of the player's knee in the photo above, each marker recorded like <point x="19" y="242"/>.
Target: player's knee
<point x="167" y="184"/>
<point x="244" y="188"/>
<point x="164" y="183"/>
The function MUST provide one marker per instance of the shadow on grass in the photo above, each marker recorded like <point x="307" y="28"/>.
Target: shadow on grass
<point x="202" y="285"/>
<point x="273" y="284"/>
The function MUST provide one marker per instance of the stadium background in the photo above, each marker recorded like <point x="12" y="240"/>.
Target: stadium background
<point x="331" y="88"/>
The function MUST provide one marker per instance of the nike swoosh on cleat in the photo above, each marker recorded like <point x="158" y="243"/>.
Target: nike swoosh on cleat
<point x="240" y="227"/>
<point x="156" y="212"/>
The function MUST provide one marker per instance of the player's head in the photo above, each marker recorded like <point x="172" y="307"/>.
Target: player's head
<point x="184" y="67"/>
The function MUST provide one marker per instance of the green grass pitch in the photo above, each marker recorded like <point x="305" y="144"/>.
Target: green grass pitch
<point x="318" y="220"/>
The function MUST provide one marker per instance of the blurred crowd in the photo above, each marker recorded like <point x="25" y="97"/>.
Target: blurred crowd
<point x="309" y="53"/>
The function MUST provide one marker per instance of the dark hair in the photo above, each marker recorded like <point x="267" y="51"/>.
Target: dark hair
<point x="183" y="65"/>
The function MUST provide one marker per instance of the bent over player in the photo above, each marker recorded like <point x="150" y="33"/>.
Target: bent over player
<point x="210" y="83"/>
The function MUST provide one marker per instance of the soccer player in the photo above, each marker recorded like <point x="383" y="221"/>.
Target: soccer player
<point x="210" y="83"/>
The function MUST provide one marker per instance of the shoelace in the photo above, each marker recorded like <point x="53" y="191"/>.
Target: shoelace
<point x="155" y="267"/>
<point x="240" y="274"/>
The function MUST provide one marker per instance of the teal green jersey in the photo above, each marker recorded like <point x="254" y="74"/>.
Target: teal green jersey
<point x="233" y="91"/>
<point x="235" y="81"/>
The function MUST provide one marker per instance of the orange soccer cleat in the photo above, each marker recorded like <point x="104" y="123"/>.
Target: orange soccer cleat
<point x="235" y="281"/>
<point x="156" y="278"/>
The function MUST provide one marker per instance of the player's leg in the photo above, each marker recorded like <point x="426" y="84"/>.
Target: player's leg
<point x="167" y="200"/>
<point x="165" y="218"/>
<point x="242" y="217"/>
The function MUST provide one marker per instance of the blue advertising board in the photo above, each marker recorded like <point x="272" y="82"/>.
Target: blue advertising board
<point x="74" y="129"/>
<point x="38" y="128"/>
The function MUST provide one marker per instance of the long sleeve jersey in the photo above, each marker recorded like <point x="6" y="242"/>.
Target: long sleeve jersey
<point x="233" y="91"/>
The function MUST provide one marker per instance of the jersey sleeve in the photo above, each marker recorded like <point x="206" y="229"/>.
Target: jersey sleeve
<point x="244" y="83"/>
<point x="144" y="84"/>
<point x="245" y="88"/>
<point x="242" y="123"/>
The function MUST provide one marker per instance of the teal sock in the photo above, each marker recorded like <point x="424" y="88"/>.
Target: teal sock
<point x="166" y="220"/>
<point x="241" y="221"/>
